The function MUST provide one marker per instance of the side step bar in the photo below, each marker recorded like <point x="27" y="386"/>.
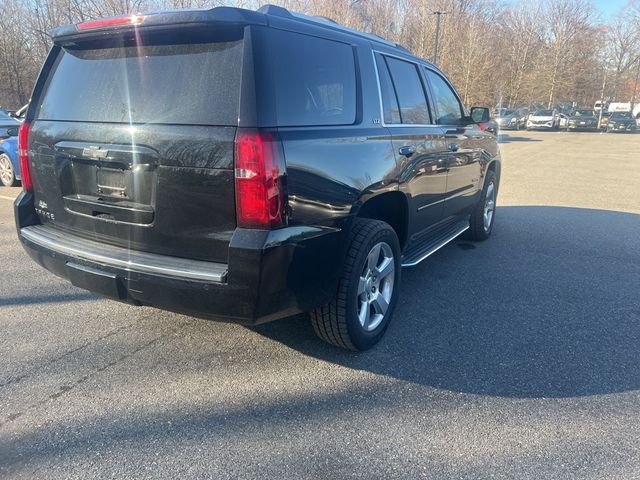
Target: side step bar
<point x="418" y="253"/>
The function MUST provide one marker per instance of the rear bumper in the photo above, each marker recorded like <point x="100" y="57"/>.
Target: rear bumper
<point x="269" y="274"/>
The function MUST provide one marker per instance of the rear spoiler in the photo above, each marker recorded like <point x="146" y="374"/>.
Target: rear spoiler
<point x="156" y="20"/>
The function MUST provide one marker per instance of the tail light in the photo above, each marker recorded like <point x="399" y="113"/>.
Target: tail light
<point x="23" y="155"/>
<point x="111" y="22"/>
<point x="259" y="171"/>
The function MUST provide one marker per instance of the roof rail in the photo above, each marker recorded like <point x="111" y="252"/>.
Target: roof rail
<point x="325" y="21"/>
<point x="328" y="19"/>
<point x="339" y="27"/>
<point x="402" y="47"/>
<point x="276" y="10"/>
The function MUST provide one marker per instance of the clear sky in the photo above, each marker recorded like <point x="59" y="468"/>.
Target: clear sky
<point x="609" y="8"/>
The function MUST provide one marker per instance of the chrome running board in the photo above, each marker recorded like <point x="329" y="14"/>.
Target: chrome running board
<point x="422" y="251"/>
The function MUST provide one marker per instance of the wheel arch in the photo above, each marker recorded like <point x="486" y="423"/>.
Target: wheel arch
<point x="390" y="207"/>
<point x="495" y="167"/>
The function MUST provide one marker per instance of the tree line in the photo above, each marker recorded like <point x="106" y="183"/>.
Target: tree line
<point x="530" y="52"/>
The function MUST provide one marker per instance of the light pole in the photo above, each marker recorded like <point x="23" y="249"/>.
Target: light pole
<point x="438" y="14"/>
<point x="604" y="85"/>
<point x="635" y="85"/>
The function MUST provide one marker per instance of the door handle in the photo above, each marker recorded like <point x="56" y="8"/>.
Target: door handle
<point x="453" y="147"/>
<point x="407" y="150"/>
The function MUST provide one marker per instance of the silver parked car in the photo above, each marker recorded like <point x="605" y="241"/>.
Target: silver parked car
<point x="513" y="119"/>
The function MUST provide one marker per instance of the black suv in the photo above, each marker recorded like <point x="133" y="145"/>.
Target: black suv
<point x="248" y="165"/>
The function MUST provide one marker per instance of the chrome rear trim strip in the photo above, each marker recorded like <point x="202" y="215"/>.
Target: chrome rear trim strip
<point x="119" y="257"/>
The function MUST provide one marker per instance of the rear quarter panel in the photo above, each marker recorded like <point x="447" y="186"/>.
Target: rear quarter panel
<point x="331" y="170"/>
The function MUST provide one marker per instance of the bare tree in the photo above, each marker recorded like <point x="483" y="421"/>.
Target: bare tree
<point x="511" y="53"/>
<point x="566" y="20"/>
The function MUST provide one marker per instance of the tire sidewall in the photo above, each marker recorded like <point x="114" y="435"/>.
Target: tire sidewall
<point x="361" y="338"/>
<point x="476" y="222"/>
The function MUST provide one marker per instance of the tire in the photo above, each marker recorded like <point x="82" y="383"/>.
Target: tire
<point x="7" y="174"/>
<point x="480" y="230"/>
<point x="339" y="322"/>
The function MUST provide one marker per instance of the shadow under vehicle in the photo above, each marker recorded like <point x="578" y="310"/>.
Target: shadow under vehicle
<point x="550" y="332"/>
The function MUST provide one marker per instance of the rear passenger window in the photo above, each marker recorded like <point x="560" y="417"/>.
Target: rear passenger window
<point x="409" y="91"/>
<point x="449" y="110"/>
<point x="315" y="80"/>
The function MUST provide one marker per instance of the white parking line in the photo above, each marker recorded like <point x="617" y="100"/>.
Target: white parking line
<point x="7" y="198"/>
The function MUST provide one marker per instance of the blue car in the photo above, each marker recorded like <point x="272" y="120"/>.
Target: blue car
<point x="9" y="166"/>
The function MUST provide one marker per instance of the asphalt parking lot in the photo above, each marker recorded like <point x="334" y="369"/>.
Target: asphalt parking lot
<point x="514" y="358"/>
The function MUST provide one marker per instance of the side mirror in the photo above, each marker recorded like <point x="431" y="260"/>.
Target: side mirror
<point x="12" y="131"/>
<point x="480" y="114"/>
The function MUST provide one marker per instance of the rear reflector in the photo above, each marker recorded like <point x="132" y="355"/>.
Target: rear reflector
<point x="111" y="22"/>
<point x="258" y="179"/>
<point x="23" y="156"/>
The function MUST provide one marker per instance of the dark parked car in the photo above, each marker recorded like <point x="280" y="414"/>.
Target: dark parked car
<point x="583" y="119"/>
<point x="490" y="126"/>
<point x="248" y="165"/>
<point x="621" y="122"/>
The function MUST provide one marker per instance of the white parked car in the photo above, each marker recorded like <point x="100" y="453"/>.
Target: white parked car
<point x="544" y="120"/>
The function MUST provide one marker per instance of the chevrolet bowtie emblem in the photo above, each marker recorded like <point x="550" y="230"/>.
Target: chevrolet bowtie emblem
<point x="94" y="152"/>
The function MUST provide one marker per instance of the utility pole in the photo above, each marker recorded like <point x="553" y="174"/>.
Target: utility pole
<point x="635" y="85"/>
<point x="604" y="85"/>
<point x="435" y="47"/>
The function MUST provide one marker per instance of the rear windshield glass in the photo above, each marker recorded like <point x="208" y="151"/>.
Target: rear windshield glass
<point x="147" y="81"/>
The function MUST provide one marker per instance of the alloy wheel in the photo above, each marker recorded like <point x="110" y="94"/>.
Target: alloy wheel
<point x="489" y="206"/>
<point x="6" y="170"/>
<point x="375" y="286"/>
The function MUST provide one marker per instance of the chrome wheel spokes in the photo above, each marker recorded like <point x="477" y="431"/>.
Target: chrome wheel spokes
<point x="489" y="206"/>
<point x="375" y="286"/>
<point x="6" y="170"/>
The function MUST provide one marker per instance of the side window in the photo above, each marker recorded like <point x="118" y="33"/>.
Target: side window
<point x="315" y="80"/>
<point x="448" y="108"/>
<point x="390" y="106"/>
<point x="409" y="91"/>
